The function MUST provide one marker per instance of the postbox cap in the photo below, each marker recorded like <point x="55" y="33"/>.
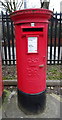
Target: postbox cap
<point x="31" y="15"/>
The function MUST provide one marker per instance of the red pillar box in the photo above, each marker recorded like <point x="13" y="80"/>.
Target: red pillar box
<point x="31" y="32"/>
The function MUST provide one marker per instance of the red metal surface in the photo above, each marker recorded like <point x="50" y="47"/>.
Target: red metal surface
<point x="31" y="15"/>
<point x="31" y="67"/>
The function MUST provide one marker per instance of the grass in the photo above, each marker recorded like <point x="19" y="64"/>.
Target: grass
<point x="54" y="72"/>
<point x="9" y="78"/>
<point x="5" y="95"/>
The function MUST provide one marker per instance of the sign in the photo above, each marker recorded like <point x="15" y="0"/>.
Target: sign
<point x="32" y="24"/>
<point x="32" y="44"/>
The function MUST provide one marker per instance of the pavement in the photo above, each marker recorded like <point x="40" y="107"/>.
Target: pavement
<point x="0" y="108"/>
<point x="10" y="108"/>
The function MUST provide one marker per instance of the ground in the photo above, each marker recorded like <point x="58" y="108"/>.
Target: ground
<point x="52" y="108"/>
<point x="53" y="72"/>
<point x="53" y="94"/>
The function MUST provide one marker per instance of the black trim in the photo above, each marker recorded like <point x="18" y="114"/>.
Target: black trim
<point x="32" y="29"/>
<point x="31" y="103"/>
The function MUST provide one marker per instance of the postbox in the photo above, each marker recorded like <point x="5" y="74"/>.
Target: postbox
<point x="31" y="32"/>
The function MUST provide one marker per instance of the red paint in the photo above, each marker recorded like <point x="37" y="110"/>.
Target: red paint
<point x="31" y="77"/>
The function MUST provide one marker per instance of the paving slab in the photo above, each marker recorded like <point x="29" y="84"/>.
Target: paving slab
<point x="0" y="108"/>
<point x="10" y="109"/>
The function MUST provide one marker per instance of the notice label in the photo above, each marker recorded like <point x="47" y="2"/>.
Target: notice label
<point x="32" y="44"/>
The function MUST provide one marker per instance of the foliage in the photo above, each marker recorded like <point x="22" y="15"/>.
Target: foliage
<point x="45" y="4"/>
<point x="5" y="96"/>
<point x="11" y="5"/>
<point x="54" y="72"/>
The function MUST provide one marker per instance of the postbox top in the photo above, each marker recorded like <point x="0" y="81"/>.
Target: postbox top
<point x="31" y="15"/>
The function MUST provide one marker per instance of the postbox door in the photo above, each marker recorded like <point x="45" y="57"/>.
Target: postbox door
<point x="36" y="61"/>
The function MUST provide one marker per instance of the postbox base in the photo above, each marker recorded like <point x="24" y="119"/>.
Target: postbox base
<point x="32" y="103"/>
